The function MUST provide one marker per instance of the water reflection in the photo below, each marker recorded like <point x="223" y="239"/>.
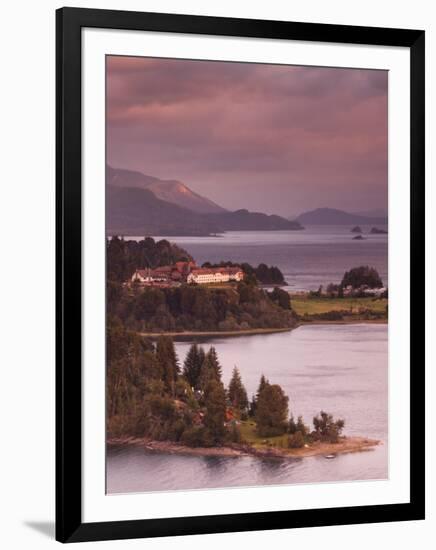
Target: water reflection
<point x="339" y="368"/>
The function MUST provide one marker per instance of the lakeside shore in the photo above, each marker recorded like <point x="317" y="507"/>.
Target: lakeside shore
<point x="345" y="445"/>
<point x="216" y="333"/>
<point x="315" y="322"/>
<point x="254" y="331"/>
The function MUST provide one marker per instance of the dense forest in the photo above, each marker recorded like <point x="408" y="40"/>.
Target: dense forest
<point x="199" y="308"/>
<point x="150" y="395"/>
<point x="124" y="256"/>
<point x="235" y="307"/>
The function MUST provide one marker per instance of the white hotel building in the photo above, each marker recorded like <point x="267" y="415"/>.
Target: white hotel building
<point x="215" y="275"/>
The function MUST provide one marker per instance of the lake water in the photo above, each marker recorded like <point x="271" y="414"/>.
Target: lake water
<point x="315" y="256"/>
<point x="342" y="369"/>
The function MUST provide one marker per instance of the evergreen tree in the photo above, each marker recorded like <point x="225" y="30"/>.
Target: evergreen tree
<point x="253" y="403"/>
<point x="272" y="411"/>
<point x="167" y="359"/>
<point x="210" y="369"/>
<point x="207" y="373"/>
<point x="298" y="426"/>
<point x="201" y="356"/>
<point x="237" y="393"/>
<point x="215" y="402"/>
<point x="192" y="365"/>
<point x="212" y="358"/>
<point x="262" y="384"/>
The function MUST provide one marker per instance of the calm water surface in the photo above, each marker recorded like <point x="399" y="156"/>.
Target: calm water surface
<point x="340" y="368"/>
<point x="317" y="255"/>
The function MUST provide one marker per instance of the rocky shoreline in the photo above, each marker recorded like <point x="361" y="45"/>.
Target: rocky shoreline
<point x="345" y="445"/>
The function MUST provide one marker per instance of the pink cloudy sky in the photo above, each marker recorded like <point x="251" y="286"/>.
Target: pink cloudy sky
<point x="278" y="139"/>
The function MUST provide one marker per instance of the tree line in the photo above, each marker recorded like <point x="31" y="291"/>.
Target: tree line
<point x="199" y="308"/>
<point x="150" y="395"/>
<point x="123" y="257"/>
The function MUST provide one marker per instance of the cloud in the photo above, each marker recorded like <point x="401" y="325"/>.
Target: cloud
<point x="222" y="127"/>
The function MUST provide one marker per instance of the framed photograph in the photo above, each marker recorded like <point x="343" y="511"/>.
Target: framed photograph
<point x="240" y="274"/>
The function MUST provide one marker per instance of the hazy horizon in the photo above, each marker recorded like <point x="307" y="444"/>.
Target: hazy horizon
<point x="276" y="139"/>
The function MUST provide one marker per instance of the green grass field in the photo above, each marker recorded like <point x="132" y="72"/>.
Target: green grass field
<point x="313" y="306"/>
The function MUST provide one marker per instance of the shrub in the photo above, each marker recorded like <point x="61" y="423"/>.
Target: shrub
<point x="177" y="429"/>
<point x="334" y="315"/>
<point x="234" y="433"/>
<point x="296" y="440"/>
<point x="326" y="428"/>
<point x="292" y="425"/>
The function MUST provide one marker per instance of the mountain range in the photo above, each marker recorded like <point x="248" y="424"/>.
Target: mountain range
<point x="137" y="204"/>
<point x="332" y="216"/>
<point x="173" y="191"/>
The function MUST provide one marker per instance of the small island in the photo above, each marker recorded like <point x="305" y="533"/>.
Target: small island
<point x="154" y="403"/>
<point x="376" y="231"/>
<point x="356" y="229"/>
<point x="358" y="238"/>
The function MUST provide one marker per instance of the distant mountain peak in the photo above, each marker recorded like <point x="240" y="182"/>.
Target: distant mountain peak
<point x="172" y="191"/>
<point x="334" y="216"/>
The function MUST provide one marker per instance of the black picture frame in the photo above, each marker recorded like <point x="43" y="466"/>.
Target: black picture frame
<point x="69" y="525"/>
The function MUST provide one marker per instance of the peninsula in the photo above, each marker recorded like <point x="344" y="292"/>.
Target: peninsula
<point x="155" y="403"/>
<point x="156" y="292"/>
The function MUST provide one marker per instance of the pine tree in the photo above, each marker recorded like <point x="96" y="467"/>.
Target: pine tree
<point x="167" y="359"/>
<point x="236" y="392"/>
<point x="207" y="374"/>
<point x="272" y="411"/>
<point x="253" y="403"/>
<point x="215" y="402"/>
<point x="262" y="384"/>
<point x="212" y="358"/>
<point x="192" y="365"/>
<point x="210" y="369"/>
<point x="201" y="356"/>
